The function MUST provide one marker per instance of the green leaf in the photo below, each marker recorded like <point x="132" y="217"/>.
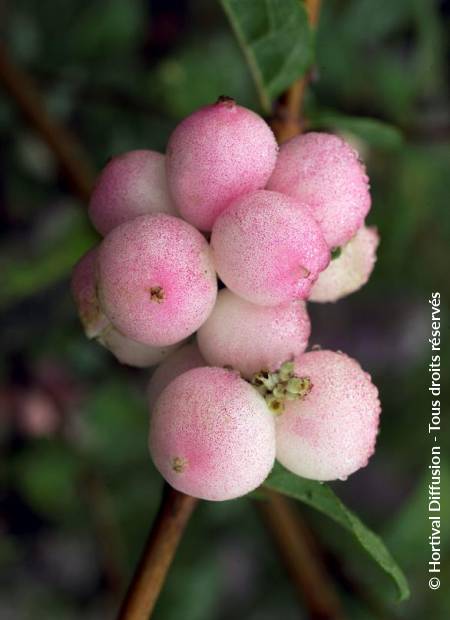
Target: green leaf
<point x="47" y="475"/>
<point x="373" y="131"/>
<point x="25" y="276"/>
<point x="276" y="40"/>
<point x="322" y="498"/>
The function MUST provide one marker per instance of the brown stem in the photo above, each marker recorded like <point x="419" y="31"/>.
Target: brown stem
<point x="108" y="535"/>
<point x="291" y="535"/>
<point x="287" y="120"/>
<point x="165" y="534"/>
<point x="63" y="144"/>
<point x="301" y="558"/>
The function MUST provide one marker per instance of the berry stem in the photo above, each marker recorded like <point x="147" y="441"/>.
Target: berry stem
<point x="66" y="149"/>
<point x="301" y="558"/>
<point x="164" y="537"/>
<point x="288" y="120"/>
<point x="296" y="546"/>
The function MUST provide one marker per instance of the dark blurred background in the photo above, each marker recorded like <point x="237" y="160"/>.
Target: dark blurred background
<point x="78" y="491"/>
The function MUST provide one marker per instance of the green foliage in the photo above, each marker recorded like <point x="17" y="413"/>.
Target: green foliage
<point x="116" y="425"/>
<point x="46" y="262"/>
<point x="188" y="79"/>
<point x="373" y="131"/>
<point x="47" y="474"/>
<point x="322" y="498"/>
<point x="276" y="40"/>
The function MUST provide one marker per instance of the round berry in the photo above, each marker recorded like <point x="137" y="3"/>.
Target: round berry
<point x="157" y="283"/>
<point x="251" y="338"/>
<point x="98" y="326"/>
<point x="184" y="359"/>
<point x="84" y="292"/>
<point x="331" y="432"/>
<point x="131" y="184"/>
<point x="268" y="249"/>
<point x="212" y="435"/>
<point x="130" y="352"/>
<point x="324" y="172"/>
<point x="349" y="271"/>
<point x="216" y="154"/>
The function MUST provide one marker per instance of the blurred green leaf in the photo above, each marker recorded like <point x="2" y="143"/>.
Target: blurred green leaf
<point x="47" y="475"/>
<point x="276" y="40"/>
<point x="22" y="277"/>
<point x="116" y="425"/>
<point x="409" y="530"/>
<point x="107" y="27"/>
<point x="187" y="80"/>
<point x="322" y="498"/>
<point x="373" y="131"/>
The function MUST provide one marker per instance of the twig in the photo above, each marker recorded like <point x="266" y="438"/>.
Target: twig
<point x="287" y="121"/>
<point x="165" y="534"/>
<point x="291" y="535"/>
<point x="301" y="558"/>
<point x="107" y="533"/>
<point x="63" y="144"/>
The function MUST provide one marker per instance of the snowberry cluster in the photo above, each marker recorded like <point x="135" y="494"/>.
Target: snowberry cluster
<point x="279" y="227"/>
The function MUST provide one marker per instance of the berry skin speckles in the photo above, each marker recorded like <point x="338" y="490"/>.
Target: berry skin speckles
<point x="212" y="435"/>
<point x="130" y="184"/>
<point x="157" y="283"/>
<point x="249" y="338"/>
<point x="331" y="432"/>
<point x="218" y="153"/>
<point x="234" y="388"/>
<point x="268" y="249"/>
<point x="324" y="172"/>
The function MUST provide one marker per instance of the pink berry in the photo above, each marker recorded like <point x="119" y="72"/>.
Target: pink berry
<point x="184" y="359"/>
<point x="98" y="326"/>
<point x="133" y="353"/>
<point x="157" y="283"/>
<point x="251" y="338"/>
<point x="324" y="172"/>
<point x="131" y="184"/>
<point x="216" y="154"/>
<point x="212" y="435"/>
<point x="350" y="270"/>
<point x="84" y="292"/>
<point x="268" y="249"/>
<point x="331" y="432"/>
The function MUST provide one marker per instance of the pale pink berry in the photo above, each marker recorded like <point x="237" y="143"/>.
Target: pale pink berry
<point x="324" y="172"/>
<point x="268" y="249"/>
<point x="212" y="435"/>
<point x="84" y="292"/>
<point x="216" y="154"/>
<point x="331" y="432"/>
<point x="98" y="326"/>
<point x="131" y="184"/>
<point x="133" y="353"/>
<point x="186" y="358"/>
<point x="251" y="338"/>
<point x="350" y="270"/>
<point x="157" y="283"/>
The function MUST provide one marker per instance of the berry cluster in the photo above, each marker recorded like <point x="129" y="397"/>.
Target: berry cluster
<point x="279" y="227"/>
